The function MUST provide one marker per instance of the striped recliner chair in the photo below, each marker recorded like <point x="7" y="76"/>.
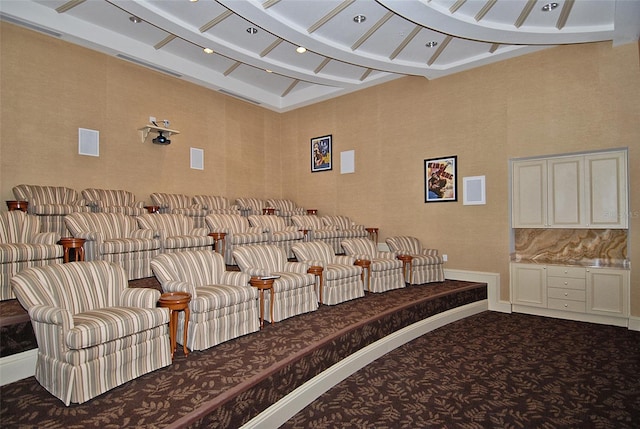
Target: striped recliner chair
<point x="237" y="232"/>
<point x="176" y="232"/>
<point x="285" y="209"/>
<point x="116" y="237"/>
<point x="293" y="290"/>
<point x="180" y="204"/>
<point x="426" y="265"/>
<point x="215" y="204"/>
<point x="340" y="279"/>
<point x="279" y="233"/>
<point x="318" y="231"/>
<point x="22" y="245"/>
<point x="113" y="201"/>
<point x="94" y="333"/>
<point x="51" y="204"/>
<point x="251" y="206"/>
<point x="223" y="304"/>
<point x="385" y="272"/>
<point x="345" y="226"/>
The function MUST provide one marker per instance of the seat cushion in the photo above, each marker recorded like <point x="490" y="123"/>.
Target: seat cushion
<point x="19" y="252"/>
<point x="123" y="245"/>
<point x="248" y="238"/>
<point x="213" y="297"/>
<point x="182" y="241"/>
<point x="420" y="260"/>
<point x="108" y="324"/>
<point x="339" y="271"/>
<point x="385" y="264"/>
<point x="290" y="281"/>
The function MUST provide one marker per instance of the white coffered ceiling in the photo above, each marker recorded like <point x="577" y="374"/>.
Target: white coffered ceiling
<point x="254" y="41"/>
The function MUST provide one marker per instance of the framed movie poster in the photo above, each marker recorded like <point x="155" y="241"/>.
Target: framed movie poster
<point x="440" y="179"/>
<point x="321" y="154"/>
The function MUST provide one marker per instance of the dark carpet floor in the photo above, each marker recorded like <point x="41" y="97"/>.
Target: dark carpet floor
<point x="493" y="370"/>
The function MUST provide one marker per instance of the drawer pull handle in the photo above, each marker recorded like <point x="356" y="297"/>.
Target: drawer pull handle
<point x="566" y="294"/>
<point x="565" y="271"/>
<point x="566" y="283"/>
<point x="566" y="305"/>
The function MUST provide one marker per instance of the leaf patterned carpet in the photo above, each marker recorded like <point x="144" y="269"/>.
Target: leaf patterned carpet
<point x="493" y="370"/>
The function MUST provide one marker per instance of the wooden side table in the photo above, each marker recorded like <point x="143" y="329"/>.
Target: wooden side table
<point x="373" y="234"/>
<point x="264" y="284"/>
<point x="366" y="267"/>
<point x="269" y="211"/>
<point x="152" y="209"/>
<point x="17" y="205"/>
<point x="73" y="248"/>
<point x="175" y="302"/>
<point x="312" y="211"/>
<point x="316" y="270"/>
<point x="219" y="243"/>
<point x="406" y="266"/>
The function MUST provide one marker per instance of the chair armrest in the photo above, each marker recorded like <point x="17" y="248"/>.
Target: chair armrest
<point x="52" y="315"/>
<point x="196" y="206"/>
<point x="364" y="256"/>
<point x="45" y="238"/>
<point x="430" y="252"/>
<point x="180" y="286"/>
<point x="199" y="231"/>
<point x="343" y="259"/>
<point x="256" y="230"/>
<point x="258" y="272"/>
<point x="139" y="297"/>
<point x="145" y="233"/>
<point x="315" y="262"/>
<point x="291" y="229"/>
<point x="235" y="278"/>
<point x="140" y="204"/>
<point x="224" y="229"/>
<point x="296" y="267"/>
<point x="386" y="255"/>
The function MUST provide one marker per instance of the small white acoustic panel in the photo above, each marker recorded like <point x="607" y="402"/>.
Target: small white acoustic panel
<point x="197" y="158"/>
<point x="348" y="162"/>
<point x="474" y="192"/>
<point x="88" y="142"/>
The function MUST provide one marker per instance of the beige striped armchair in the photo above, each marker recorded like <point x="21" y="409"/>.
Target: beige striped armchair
<point x="386" y="271"/>
<point x="180" y="204"/>
<point x="94" y="333"/>
<point x="294" y="289"/>
<point x="113" y="201"/>
<point x="279" y="233"/>
<point x="22" y="245"/>
<point x="51" y="204"/>
<point x="318" y="231"/>
<point x="223" y="305"/>
<point x="176" y="232"/>
<point x="340" y="279"/>
<point x="251" y="206"/>
<point x="285" y="209"/>
<point x="215" y="204"/>
<point x="426" y="265"/>
<point x="345" y="226"/>
<point x="116" y="237"/>
<point x="238" y="232"/>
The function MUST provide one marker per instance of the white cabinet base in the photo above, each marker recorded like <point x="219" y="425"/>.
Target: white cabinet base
<point x="566" y="315"/>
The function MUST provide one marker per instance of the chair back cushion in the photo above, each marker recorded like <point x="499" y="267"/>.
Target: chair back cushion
<point x="405" y="245"/>
<point x="285" y="206"/>
<point x="211" y="202"/>
<point x="109" y="225"/>
<point x="172" y="224"/>
<point x="342" y="222"/>
<point x="38" y="194"/>
<point x="198" y="268"/>
<point x="273" y="223"/>
<point x="359" y="246"/>
<point x="308" y="222"/>
<point x="171" y="201"/>
<point x="77" y="287"/>
<point x="18" y="227"/>
<point x="255" y="204"/>
<point x="313" y="250"/>
<point x="235" y="224"/>
<point x="268" y="257"/>
<point x="109" y="197"/>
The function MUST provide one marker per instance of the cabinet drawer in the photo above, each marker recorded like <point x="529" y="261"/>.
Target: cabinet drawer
<point x="566" y="283"/>
<point x="568" y="294"/>
<point x="566" y="305"/>
<point x="573" y="272"/>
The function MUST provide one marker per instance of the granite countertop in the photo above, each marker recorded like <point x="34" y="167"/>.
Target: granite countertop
<point x="587" y="263"/>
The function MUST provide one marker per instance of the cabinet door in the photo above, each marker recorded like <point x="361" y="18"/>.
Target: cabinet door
<point x="606" y="194"/>
<point x="529" y="194"/>
<point x="565" y="190"/>
<point x="529" y="285"/>
<point x="608" y="292"/>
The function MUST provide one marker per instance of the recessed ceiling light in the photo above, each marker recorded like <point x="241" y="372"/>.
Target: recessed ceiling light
<point x="301" y="49"/>
<point x="208" y="51"/>
<point x="431" y="44"/>
<point x="549" y="7"/>
<point x="252" y="30"/>
<point x="359" y="19"/>
<point x="135" y="19"/>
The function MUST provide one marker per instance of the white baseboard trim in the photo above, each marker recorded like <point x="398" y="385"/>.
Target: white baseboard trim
<point x="634" y="323"/>
<point x="18" y="366"/>
<point x="493" y="286"/>
<point x="278" y="413"/>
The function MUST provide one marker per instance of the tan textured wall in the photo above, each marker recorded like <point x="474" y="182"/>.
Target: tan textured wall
<point x="50" y="88"/>
<point x="567" y="99"/>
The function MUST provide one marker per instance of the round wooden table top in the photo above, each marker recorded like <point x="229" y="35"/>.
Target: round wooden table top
<point x="72" y="241"/>
<point x="17" y="205"/>
<point x="217" y="235"/>
<point x="174" y="298"/>
<point x="363" y="262"/>
<point x="261" y="283"/>
<point x="315" y="270"/>
<point x="405" y="258"/>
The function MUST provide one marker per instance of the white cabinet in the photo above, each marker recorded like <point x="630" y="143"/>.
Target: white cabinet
<point x="583" y="191"/>
<point x="599" y="295"/>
